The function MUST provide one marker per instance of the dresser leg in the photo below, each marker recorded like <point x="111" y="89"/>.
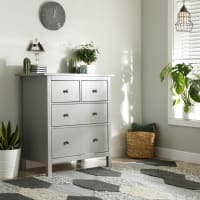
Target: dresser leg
<point x="108" y="161"/>
<point x="49" y="170"/>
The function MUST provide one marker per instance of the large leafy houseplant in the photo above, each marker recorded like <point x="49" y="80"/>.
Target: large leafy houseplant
<point x="9" y="139"/>
<point x="185" y="85"/>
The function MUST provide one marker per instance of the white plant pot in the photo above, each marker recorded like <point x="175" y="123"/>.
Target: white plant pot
<point x="9" y="163"/>
<point x="91" y="69"/>
<point x="190" y="115"/>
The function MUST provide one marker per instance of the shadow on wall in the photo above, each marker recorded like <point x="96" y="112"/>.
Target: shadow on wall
<point x="9" y="88"/>
<point x="65" y="66"/>
<point x="127" y="77"/>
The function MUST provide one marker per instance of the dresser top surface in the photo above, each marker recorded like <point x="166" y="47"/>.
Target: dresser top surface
<point x="65" y="74"/>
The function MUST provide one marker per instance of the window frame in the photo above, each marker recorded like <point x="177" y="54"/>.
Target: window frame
<point x="171" y="119"/>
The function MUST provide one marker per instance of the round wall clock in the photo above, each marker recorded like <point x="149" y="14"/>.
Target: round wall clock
<point x="52" y="15"/>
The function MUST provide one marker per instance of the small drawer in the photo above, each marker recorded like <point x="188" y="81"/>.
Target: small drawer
<point x="77" y="114"/>
<point x="65" y="91"/>
<point x="79" y="140"/>
<point x="94" y="91"/>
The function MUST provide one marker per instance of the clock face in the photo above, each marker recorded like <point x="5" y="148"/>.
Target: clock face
<point x="52" y="15"/>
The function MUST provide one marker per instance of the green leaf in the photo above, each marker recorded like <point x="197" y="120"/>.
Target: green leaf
<point x="184" y="69"/>
<point x="4" y="135"/>
<point x="194" y="90"/>
<point x="178" y="82"/>
<point x="15" y="139"/>
<point x="165" y="72"/>
<point x="8" y="131"/>
<point x="176" y="101"/>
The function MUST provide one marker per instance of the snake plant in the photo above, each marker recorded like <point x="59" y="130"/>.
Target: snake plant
<point x="185" y="85"/>
<point x="9" y="139"/>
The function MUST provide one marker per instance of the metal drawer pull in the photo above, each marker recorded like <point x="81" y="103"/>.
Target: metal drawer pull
<point x="65" y="91"/>
<point x="95" y="140"/>
<point x="66" y="115"/>
<point x="66" y="142"/>
<point x="94" y="91"/>
<point x="94" y="114"/>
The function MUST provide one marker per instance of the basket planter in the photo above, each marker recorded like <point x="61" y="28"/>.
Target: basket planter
<point x="140" y="144"/>
<point x="9" y="163"/>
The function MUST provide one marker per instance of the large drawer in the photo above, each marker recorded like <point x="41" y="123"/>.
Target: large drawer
<point x="65" y="91"/>
<point x="79" y="140"/>
<point x="94" y="91"/>
<point x="75" y="114"/>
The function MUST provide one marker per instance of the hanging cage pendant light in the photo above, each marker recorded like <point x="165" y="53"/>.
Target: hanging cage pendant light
<point x="184" y="22"/>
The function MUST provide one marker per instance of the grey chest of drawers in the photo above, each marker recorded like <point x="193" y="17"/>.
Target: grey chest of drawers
<point x="65" y="117"/>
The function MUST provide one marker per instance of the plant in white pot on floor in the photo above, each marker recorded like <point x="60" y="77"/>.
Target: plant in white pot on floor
<point x="10" y="151"/>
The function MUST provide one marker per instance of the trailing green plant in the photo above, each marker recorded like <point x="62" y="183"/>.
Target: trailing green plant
<point x="185" y="85"/>
<point x="86" y="53"/>
<point x="9" y="139"/>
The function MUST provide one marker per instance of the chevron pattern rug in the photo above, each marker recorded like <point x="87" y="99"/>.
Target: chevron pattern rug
<point x="124" y="181"/>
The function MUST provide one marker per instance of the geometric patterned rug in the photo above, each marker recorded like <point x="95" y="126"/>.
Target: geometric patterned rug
<point x="138" y="181"/>
<point x="156" y="162"/>
<point x="172" y="178"/>
<point x="100" y="171"/>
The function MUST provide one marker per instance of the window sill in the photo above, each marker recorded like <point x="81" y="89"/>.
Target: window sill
<point x="184" y="122"/>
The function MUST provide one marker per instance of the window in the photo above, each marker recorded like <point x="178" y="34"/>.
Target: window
<point x="184" y="47"/>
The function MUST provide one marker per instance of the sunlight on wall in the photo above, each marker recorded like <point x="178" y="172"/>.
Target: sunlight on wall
<point x="127" y="87"/>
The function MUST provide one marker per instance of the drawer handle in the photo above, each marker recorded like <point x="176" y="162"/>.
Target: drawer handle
<point x="94" y="91"/>
<point x="94" y="114"/>
<point x="66" y="115"/>
<point x="95" y="140"/>
<point x="66" y="143"/>
<point x="65" y="91"/>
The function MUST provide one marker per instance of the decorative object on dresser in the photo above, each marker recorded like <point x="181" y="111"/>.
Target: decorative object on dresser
<point x="85" y="54"/>
<point x="10" y="150"/>
<point x="36" y="47"/>
<point x="65" y="117"/>
<point x="26" y="65"/>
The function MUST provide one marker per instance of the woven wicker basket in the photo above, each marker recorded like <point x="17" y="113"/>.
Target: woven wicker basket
<point x="140" y="144"/>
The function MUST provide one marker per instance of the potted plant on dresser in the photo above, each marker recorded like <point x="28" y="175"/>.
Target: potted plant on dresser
<point x="10" y="151"/>
<point x="86" y="54"/>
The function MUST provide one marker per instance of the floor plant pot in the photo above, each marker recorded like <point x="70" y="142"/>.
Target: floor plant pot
<point x="9" y="163"/>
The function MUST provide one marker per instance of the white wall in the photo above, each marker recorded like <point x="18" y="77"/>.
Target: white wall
<point x="114" y="27"/>
<point x="154" y="93"/>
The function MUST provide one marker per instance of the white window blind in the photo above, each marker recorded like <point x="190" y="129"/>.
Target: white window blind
<point x="187" y="44"/>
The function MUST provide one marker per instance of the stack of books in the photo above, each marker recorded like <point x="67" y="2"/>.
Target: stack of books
<point x="38" y="69"/>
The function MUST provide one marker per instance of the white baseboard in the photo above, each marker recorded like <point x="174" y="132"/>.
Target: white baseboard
<point x="173" y="154"/>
